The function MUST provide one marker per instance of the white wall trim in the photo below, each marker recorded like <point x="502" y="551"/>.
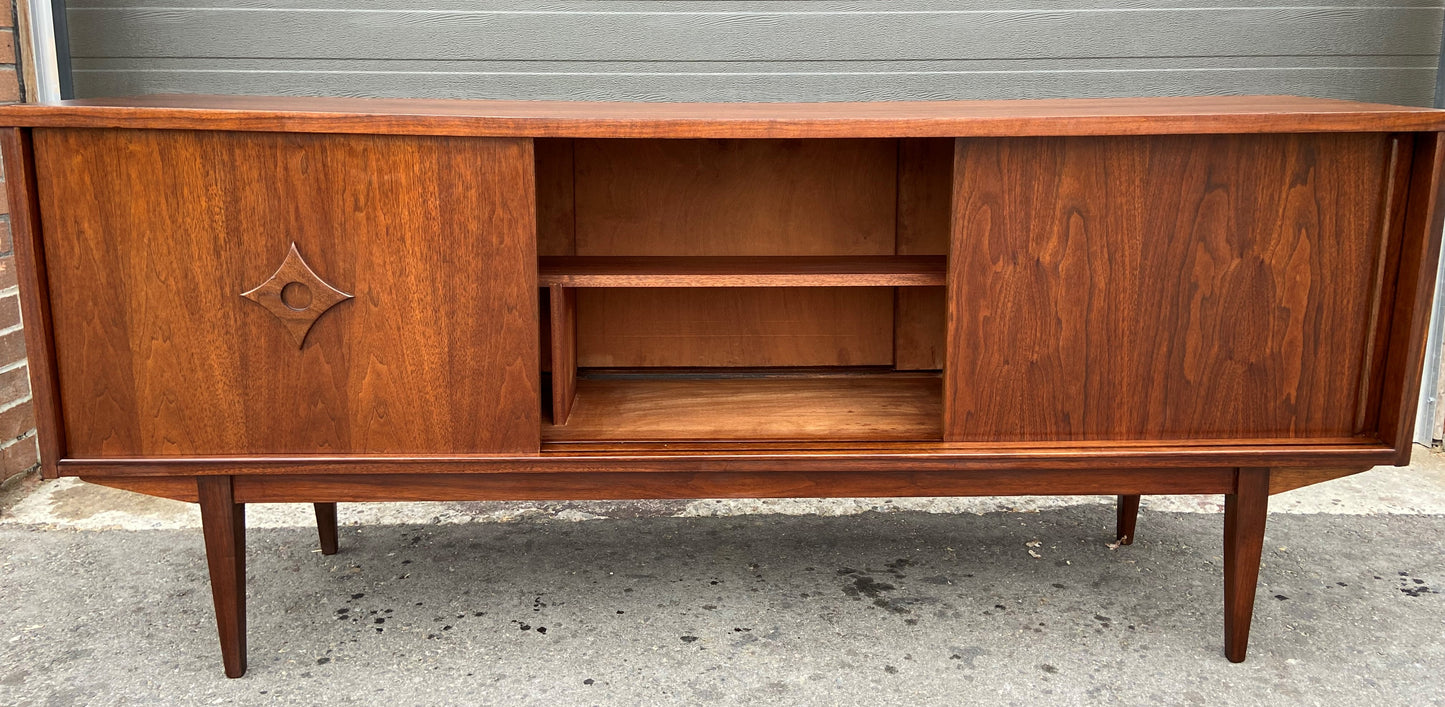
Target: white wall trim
<point x="42" y="35"/>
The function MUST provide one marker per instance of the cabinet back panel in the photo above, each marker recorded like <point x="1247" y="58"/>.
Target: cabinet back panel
<point x="556" y="207"/>
<point x="746" y="326"/>
<point x="1163" y="287"/>
<point x="437" y="352"/>
<point x="733" y="197"/>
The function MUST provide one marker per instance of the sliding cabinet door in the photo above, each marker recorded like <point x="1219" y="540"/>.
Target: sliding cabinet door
<point x="1171" y="287"/>
<point x="276" y="294"/>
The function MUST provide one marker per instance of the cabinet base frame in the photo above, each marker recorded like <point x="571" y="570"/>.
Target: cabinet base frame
<point x="223" y="497"/>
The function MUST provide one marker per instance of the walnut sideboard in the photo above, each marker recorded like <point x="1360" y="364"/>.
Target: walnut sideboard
<point x="234" y="300"/>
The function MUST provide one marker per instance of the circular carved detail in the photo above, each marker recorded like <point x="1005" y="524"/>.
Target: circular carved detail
<point x="296" y="295"/>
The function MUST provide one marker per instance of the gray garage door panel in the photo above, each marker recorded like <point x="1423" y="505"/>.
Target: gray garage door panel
<point x="781" y="50"/>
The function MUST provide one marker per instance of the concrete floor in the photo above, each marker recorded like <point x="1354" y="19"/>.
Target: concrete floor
<point x="104" y="600"/>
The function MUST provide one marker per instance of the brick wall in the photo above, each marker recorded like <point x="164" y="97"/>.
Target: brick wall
<point x="18" y="453"/>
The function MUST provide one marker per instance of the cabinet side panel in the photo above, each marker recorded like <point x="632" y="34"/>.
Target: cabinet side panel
<point x="152" y="236"/>
<point x="1414" y="290"/>
<point x="925" y="190"/>
<point x="1163" y="287"/>
<point x="31" y="278"/>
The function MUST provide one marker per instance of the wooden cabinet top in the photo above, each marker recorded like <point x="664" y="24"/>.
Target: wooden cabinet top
<point x="1104" y="116"/>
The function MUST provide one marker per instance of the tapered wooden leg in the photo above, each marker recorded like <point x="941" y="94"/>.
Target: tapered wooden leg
<point x="1128" y="517"/>
<point x="326" y="527"/>
<point x="1244" y="516"/>
<point x="223" y="521"/>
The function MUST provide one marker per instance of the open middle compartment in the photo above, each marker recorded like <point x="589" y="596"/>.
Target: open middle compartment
<point x="734" y="290"/>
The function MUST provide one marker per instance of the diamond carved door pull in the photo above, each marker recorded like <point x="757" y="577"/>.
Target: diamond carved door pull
<point x="296" y="295"/>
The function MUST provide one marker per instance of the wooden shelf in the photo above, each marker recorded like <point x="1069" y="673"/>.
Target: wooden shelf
<point x="735" y="271"/>
<point x="860" y="407"/>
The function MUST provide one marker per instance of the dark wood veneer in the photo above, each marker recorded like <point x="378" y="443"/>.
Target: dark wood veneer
<point x="546" y="119"/>
<point x="1414" y="287"/>
<point x="1128" y="518"/>
<point x="562" y="457"/>
<point x="223" y="522"/>
<point x="1245" y="510"/>
<point x="296" y="295"/>
<point x="682" y="485"/>
<point x="563" y="330"/>
<point x="1163" y="287"/>
<point x="1221" y="295"/>
<point x="754" y="271"/>
<point x="326" y="527"/>
<point x="33" y="276"/>
<point x="436" y="353"/>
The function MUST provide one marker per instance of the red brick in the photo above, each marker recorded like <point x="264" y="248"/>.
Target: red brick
<point x="18" y="458"/>
<point x="7" y="275"/>
<point x="7" y="46"/>
<point x="9" y="313"/>
<point x="12" y="347"/>
<point x="9" y="84"/>
<point x="14" y="384"/>
<point x="7" y="244"/>
<point x="7" y="18"/>
<point x="4" y="196"/>
<point x="17" y="421"/>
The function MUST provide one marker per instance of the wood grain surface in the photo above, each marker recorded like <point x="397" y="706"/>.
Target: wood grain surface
<point x="326" y="528"/>
<point x="545" y="119"/>
<point x="744" y="271"/>
<point x="556" y="203"/>
<point x="178" y="488"/>
<point x="1375" y="378"/>
<point x="750" y="326"/>
<point x="563" y="305"/>
<point x="735" y="199"/>
<point x="925" y="200"/>
<point x="1245" y="511"/>
<point x="152" y="236"/>
<point x="1162" y="288"/>
<point x="32" y="275"/>
<point x="304" y="488"/>
<point x="793" y="407"/>
<point x="920" y="327"/>
<point x="1282" y="480"/>
<point x="223" y="524"/>
<point x="689" y="485"/>
<point x="1414" y="285"/>
<point x="755" y="456"/>
<point x="296" y="295"/>
<point x="1126" y="518"/>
